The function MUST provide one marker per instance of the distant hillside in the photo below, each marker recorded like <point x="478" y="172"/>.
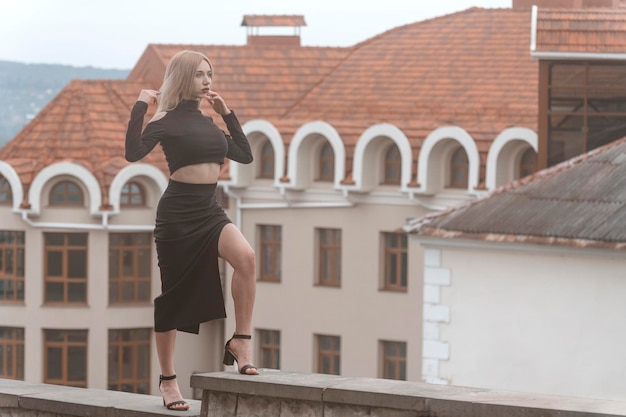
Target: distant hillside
<point x="26" y="88"/>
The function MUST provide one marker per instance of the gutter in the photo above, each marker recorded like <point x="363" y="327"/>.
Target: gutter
<point x="104" y="225"/>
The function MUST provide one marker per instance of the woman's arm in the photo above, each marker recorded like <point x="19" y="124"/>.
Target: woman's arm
<point x="238" y="145"/>
<point x="138" y="143"/>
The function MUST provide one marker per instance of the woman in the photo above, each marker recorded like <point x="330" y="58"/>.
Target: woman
<point x="191" y="229"/>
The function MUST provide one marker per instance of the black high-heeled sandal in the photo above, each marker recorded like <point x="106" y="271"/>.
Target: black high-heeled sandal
<point x="230" y="357"/>
<point x="173" y="404"/>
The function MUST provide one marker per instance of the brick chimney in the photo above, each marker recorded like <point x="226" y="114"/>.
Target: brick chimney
<point x="568" y="4"/>
<point x="255" y="22"/>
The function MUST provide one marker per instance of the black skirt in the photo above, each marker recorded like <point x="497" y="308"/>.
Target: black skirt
<point x="188" y="226"/>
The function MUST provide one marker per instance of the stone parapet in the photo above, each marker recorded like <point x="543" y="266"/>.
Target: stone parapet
<point x="286" y="394"/>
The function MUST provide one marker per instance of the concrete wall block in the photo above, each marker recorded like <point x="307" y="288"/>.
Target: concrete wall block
<point x="256" y="406"/>
<point x="431" y="331"/>
<point x="436" y="313"/>
<point x="436" y="350"/>
<point x="432" y="294"/>
<point x="430" y="368"/>
<point x="388" y="412"/>
<point x="222" y="404"/>
<point x="301" y="409"/>
<point x="436" y="276"/>
<point x="432" y="257"/>
<point x="342" y="410"/>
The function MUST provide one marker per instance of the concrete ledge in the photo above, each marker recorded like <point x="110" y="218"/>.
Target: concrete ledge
<point x="22" y="398"/>
<point x="274" y="393"/>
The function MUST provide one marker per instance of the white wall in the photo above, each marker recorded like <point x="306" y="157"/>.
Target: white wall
<point x="542" y="321"/>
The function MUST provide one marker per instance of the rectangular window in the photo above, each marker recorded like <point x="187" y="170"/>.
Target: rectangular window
<point x="329" y="257"/>
<point x="582" y="105"/>
<point x="130" y="266"/>
<point x="129" y="360"/>
<point x="12" y="353"/>
<point x="65" y="357"/>
<point x="269" y="349"/>
<point x="270" y="242"/>
<point x="393" y="360"/>
<point x="395" y="261"/>
<point x="328" y="354"/>
<point x="11" y="266"/>
<point x="65" y="268"/>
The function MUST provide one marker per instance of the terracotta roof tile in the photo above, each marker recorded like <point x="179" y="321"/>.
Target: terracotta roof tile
<point x="581" y="30"/>
<point x="85" y="123"/>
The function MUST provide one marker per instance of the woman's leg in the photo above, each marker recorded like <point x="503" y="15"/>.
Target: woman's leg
<point x="236" y="250"/>
<point x="165" y="343"/>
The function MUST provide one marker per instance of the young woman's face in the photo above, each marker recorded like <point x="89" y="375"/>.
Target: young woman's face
<point x="202" y="80"/>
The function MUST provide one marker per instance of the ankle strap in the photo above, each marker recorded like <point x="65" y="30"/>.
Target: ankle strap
<point x="167" y="378"/>
<point x="241" y="336"/>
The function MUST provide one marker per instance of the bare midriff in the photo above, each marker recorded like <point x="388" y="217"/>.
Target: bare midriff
<point x="205" y="173"/>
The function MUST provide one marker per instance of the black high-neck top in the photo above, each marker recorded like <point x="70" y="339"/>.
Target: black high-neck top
<point x="187" y="137"/>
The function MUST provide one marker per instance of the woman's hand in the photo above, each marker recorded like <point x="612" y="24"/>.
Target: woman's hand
<point x="149" y="96"/>
<point x="217" y="102"/>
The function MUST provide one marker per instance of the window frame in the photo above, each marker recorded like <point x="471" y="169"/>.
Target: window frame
<point x="66" y="194"/>
<point x="122" y="282"/>
<point x="329" y="249"/>
<point x="267" y="161"/>
<point x="120" y="342"/>
<point x="268" y="350"/>
<point x="397" y="360"/>
<point x="6" y="192"/>
<point x="395" y="251"/>
<point x="270" y="263"/>
<point x="12" y="345"/>
<point x="128" y="194"/>
<point x="65" y="346"/>
<point x="65" y="261"/>
<point x="13" y="280"/>
<point x="392" y="162"/>
<point x="325" y="163"/>
<point x="328" y="356"/>
<point x="458" y="167"/>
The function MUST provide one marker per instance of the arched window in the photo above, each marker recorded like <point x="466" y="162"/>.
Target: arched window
<point x="459" y="165"/>
<point x="326" y="163"/>
<point x="6" y="196"/>
<point x="528" y="163"/>
<point x="66" y="193"/>
<point x="267" y="161"/>
<point x="393" y="166"/>
<point x="133" y="195"/>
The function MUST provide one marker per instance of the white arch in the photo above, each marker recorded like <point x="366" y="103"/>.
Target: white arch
<point x="13" y="178"/>
<point x="297" y="166"/>
<point x="129" y="172"/>
<point x="360" y="152"/>
<point x="438" y="136"/>
<point x="504" y="138"/>
<point x="236" y="170"/>
<point x="79" y="172"/>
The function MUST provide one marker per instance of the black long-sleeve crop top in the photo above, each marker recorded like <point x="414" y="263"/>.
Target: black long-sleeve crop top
<point x="187" y="137"/>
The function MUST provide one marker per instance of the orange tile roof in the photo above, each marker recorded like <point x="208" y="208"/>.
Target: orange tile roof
<point x="273" y="20"/>
<point x="85" y="123"/>
<point x="581" y="30"/>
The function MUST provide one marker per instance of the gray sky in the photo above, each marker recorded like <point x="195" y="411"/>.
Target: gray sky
<point x="114" y="33"/>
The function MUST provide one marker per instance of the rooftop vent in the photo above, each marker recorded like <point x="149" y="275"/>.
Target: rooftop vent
<point x="255" y="22"/>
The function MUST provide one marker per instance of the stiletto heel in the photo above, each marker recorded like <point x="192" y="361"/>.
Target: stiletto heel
<point x="230" y="357"/>
<point x="173" y="404"/>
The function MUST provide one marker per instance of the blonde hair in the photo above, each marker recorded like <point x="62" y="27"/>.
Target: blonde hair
<point x="178" y="80"/>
